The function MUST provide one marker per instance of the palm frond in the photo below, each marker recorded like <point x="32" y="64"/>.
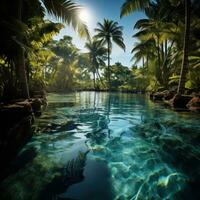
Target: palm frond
<point x="132" y="6"/>
<point x="108" y="31"/>
<point x="119" y="42"/>
<point x="67" y="12"/>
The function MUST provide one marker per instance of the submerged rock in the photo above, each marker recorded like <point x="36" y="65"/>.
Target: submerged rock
<point x="42" y="178"/>
<point x="57" y="127"/>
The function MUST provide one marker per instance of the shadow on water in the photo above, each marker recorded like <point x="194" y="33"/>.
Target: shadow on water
<point x="96" y="185"/>
<point x="71" y="174"/>
<point x="23" y="158"/>
<point x="20" y="162"/>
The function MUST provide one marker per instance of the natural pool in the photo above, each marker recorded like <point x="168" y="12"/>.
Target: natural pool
<point x="101" y="146"/>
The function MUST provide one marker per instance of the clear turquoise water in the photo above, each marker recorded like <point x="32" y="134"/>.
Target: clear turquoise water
<point x="115" y="146"/>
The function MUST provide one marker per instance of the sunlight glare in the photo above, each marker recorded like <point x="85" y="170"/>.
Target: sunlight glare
<point x="84" y="15"/>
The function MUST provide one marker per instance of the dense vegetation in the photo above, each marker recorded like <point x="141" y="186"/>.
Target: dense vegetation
<point x="168" y="42"/>
<point x="32" y="61"/>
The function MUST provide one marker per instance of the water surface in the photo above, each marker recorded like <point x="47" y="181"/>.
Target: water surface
<point x="101" y="146"/>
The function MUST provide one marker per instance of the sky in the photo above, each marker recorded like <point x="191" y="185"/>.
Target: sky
<point x="97" y="10"/>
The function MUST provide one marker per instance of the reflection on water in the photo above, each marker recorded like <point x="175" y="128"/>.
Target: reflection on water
<point x="100" y="146"/>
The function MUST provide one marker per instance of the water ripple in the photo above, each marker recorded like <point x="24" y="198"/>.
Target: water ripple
<point x="137" y="151"/>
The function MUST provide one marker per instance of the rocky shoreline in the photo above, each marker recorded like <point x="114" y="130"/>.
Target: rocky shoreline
<point x="16" y="119"/>
<point x="178" y="102"/>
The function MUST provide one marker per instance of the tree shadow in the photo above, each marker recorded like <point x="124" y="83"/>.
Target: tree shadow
<point x="71" y="174"/>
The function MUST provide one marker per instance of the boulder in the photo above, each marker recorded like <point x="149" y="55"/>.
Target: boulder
<point x="16" y="120"/>
<point x="11" y="114"/>
<point x="179" y="102"/>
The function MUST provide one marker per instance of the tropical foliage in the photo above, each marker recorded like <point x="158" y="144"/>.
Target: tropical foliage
<point x="18" y="24"/>
<point x="107" y="32"/>
<point x="165" y="56"/>
<point x="168" y="42"/>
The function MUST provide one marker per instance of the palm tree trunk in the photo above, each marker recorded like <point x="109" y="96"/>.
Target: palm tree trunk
<point x="23" y="83"/>
<point x="166" y="47"/>
<point x="185" y="62"/>
<point x="109" y="82"/>
<point x="158" y="51"/>
<point x="162" y="51"/>
<point x="94" y="80"/>
<point x="158" y="71"/>
<point x="20" y="60"/>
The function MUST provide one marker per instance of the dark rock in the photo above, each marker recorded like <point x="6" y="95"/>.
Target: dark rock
<point x="56" y="128"/>
<point x="36" y="105"/>
<point x="16" y="121"/>
<point x="158" y="96"/>
<point x="169" y="95"/>
<point x="180" y="101"/>
<point x="11" y="114"/>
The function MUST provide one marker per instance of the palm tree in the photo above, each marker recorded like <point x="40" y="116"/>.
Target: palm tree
<point x="185" y="61"/>
<point x="144" y="50"/>
<point x="191" y="8"/>
<point x="15" y="20"/>
<point x="135" y="5"/>
<point x="154" y="33"/>
<point x="67" y="51"/>
<point x="97" y="54"/>
<point x="107" y="32"/>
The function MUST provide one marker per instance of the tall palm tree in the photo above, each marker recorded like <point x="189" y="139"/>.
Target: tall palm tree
<point x="107" y="33"/>
<point x="185" y="61"/>
<point x="97" y="54"/>
<point x="14" y="16"/>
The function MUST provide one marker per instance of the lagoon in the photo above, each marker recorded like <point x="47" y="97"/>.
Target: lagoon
<point x="104" y="146"/>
